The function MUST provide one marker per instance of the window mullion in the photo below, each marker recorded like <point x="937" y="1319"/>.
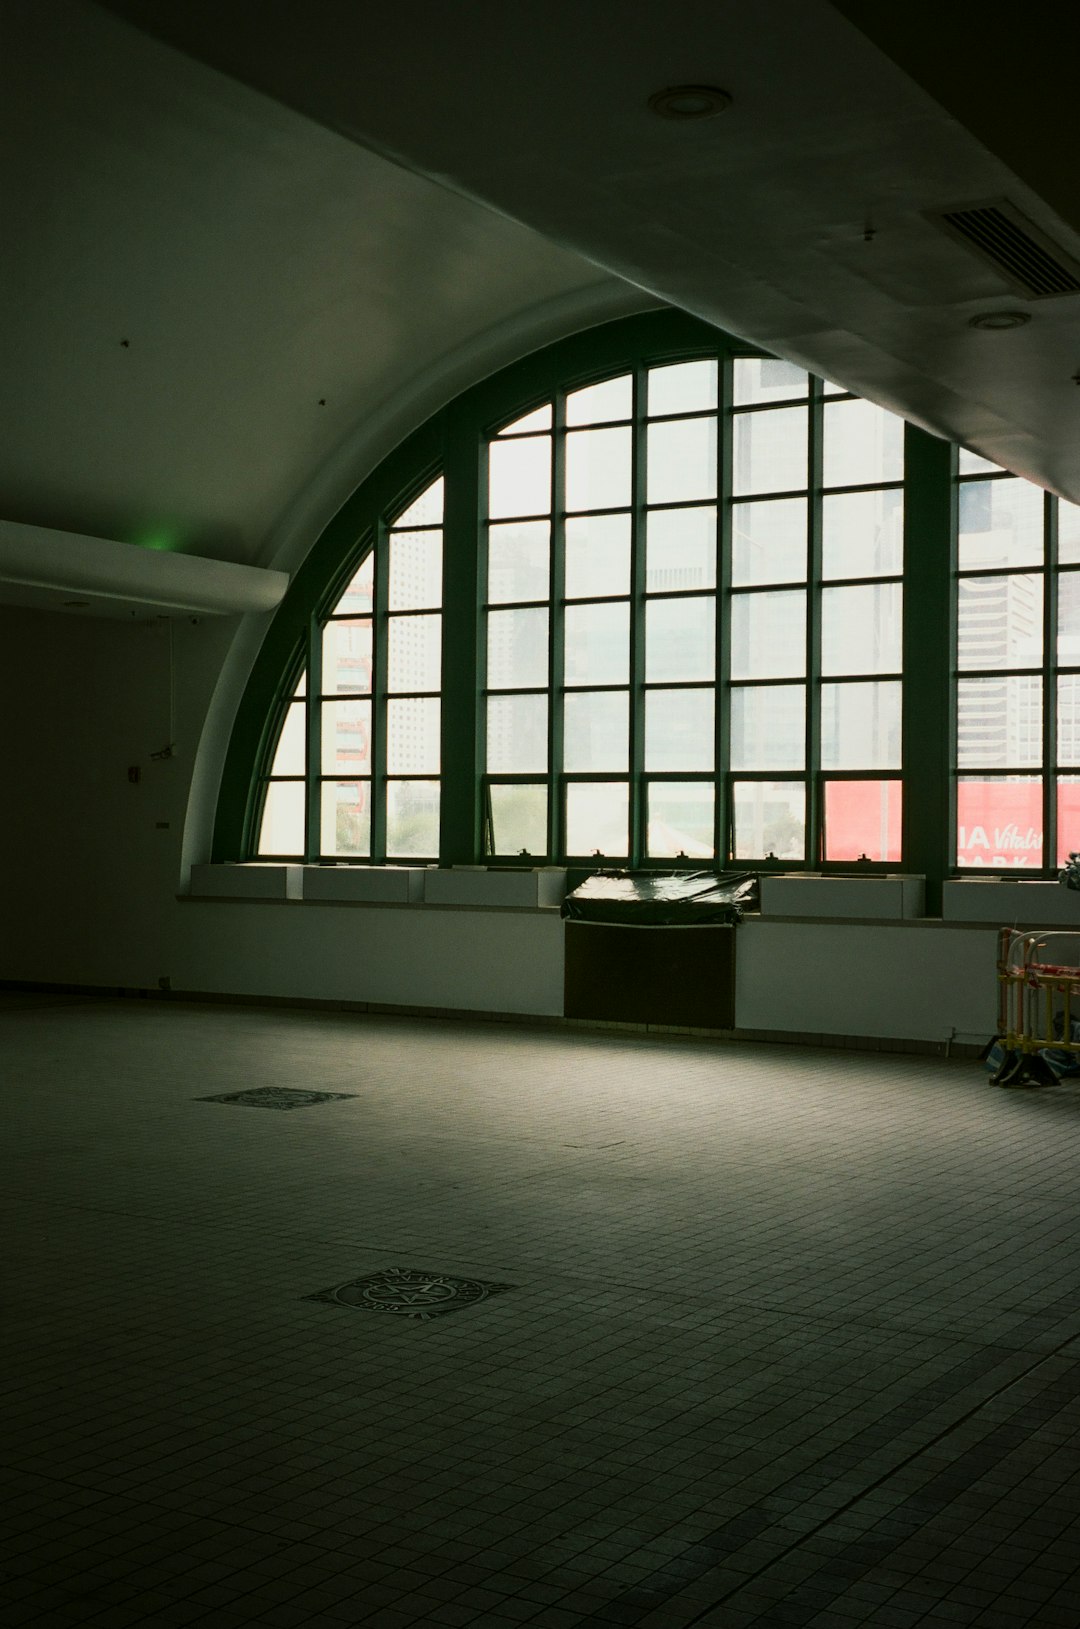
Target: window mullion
<point x="1050" y="683"/>
<point x="928" y="721"/>
<point x="814" y="787"/>
<point x="462" y="722"/>
<point x="313" y="743"/>
<point x="638" y="837"/>
<point x="380" y="642"/>
<point x="723" y="821"/>
<point x="557" y="634"/>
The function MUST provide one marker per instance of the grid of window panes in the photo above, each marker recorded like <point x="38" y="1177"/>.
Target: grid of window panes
<point x="1017" y="671"/>
<point x="375" y="720"/>
<point x="611" y="650"/>
<point x="284" y="798"/>
<point x="861" y="650"/>
<point x="816" y="619"/>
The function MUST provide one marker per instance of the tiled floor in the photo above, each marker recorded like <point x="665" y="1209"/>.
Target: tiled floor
<point x="793" y="1338"/>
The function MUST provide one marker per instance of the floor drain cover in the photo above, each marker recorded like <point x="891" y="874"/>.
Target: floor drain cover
<point x="275" y="1097"/>
<point x="411" y="1292"/>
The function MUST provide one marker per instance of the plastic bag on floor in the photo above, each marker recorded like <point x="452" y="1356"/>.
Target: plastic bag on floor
<point x="1048" y="1065"/>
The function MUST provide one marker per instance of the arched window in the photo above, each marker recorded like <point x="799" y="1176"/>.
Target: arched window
<point x="354" y="769"/>
<point x="651" y="598"/>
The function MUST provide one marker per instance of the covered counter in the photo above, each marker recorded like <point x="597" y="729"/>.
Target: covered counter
<point x="655" y="949"/>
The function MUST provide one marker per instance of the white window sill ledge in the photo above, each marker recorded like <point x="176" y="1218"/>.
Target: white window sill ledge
<point x="455" y="887"/>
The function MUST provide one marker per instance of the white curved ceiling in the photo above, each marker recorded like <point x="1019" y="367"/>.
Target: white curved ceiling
<point x="367" y="207"/>
<point x="756" y="220"/>
<point x="190" y="269"/>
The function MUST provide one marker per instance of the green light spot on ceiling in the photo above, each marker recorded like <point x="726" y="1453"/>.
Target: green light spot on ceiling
<point x="158" y="540"/>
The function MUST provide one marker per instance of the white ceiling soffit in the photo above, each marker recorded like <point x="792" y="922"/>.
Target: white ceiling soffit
<point x="61" y="571"/>
<point x="798" y="219"/>
<point x="207" y="298"/>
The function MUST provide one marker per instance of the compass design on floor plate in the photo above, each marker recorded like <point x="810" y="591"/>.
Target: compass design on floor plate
<point x="275" y="1097"/>
<point x="411" y="1292"/>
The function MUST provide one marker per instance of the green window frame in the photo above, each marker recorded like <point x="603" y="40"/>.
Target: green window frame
<point x="920" y="590"/>
<point x="1016" y="673"/>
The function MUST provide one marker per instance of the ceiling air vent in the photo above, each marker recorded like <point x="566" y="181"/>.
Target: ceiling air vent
<point x="1001" y="235"/>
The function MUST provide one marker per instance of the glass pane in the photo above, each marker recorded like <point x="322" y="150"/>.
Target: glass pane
<point x="681" y="461"/>
<point x="346" y="657"/>
<point x="863" y="534"/>
<point x="860" y="726"/>
<point x="770" y="451"/>
<point x="519" y="819"/>
<point x="426" y="510"/>
<point x="683" y="387"/>
<point x="596" y="730"/>
<point x="301" y="686"/>
<point x="862" y="443"/>
<point x="346" y="738"/>
<point x="597" y="644"/>
<point x="1068" y="533"/>
<point x="519" y="477"/>
<point x="598" y="464"/>
<point x="999" y="820"/>
<point x="414" y="660"/>
<point x="770" y="820"/>
<point x="680" y="549"/>
<point x="1068" y="644"/>
<point x="768" y="635"/>
<point x="999" y="722"/>
<point x="539" y="419"/>
<point x="412" y="737"/>
<point x="861" y="629"/>
<point x="768" y="726"/>
<point x="517" y="649"/>
<point x="768" y="542"/>
<point x="282" y="828"/>
<point x="973" y="464"/>
<point x="1068" y="719"/>
<point x="999" y="621"/>
<point x="1068" y="817"/>
<point x="359" y="597"/>
<point x="290" y="757"/>
<point x="597" y="818"/>
<point x="597" y="404"/>
<point x="680" y="638"/>
<point x="412" y="820"/>
<point x="345" y="819"/>
<point x="679" y="729"/>
<point x="862" y="820"/>
<point x="597" y="556"/>
<point x="681" y="820"/>
<point x="767" y="379"/>
<point x="519" y="561"/>
<point x="517" y="735"/>
<point x="1001" y="524"/>
<point x="415" y="570"/>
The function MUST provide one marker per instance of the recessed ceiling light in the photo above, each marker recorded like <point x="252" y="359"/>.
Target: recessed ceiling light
<point x="996" y="321"/>
<point x="689" y="102"/>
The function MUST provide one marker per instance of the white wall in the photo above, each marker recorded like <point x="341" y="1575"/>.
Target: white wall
<point x="95" y="861"/>
<point x="94" y="866"/>
<point x="922" y="981"/>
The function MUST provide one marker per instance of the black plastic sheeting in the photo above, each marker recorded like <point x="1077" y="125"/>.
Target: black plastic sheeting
<point x="700" y="897"/>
